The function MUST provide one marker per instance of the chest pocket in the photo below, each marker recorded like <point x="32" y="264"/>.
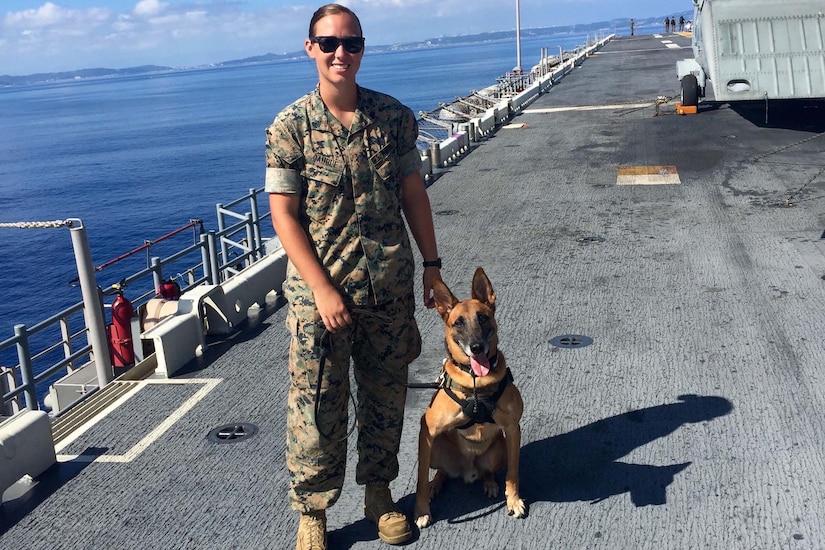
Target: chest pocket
<point x="323" y="192"/>
<point x="387" y="184"/>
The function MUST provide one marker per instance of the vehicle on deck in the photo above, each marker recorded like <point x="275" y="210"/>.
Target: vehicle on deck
<point x="755" y="49"/>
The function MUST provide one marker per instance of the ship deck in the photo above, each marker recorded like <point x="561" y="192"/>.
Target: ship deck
<point x="661" y="289"/>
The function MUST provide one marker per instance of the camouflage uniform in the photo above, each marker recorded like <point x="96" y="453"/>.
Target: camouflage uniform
<point x="350" y="187"/>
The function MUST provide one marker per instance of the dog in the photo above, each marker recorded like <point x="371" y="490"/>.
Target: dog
<point x="471" y="427"/>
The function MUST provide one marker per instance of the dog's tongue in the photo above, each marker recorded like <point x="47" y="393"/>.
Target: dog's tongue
<point x="480" y="365"/>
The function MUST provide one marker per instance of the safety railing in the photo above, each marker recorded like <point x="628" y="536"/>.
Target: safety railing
<point x="38" y="355"/>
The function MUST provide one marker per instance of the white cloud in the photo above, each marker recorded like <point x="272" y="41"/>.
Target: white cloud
<point x="149" y="7"/>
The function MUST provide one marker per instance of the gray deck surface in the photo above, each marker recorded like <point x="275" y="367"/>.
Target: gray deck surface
<point x="693" y="420"/>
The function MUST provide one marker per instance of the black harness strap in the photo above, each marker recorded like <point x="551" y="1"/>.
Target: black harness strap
<point x="479" y="409"/>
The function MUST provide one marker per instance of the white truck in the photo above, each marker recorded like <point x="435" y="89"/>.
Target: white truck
<point x="755" y="49"/>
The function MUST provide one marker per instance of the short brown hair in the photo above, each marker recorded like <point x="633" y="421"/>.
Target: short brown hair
<point x="331" y="9"/>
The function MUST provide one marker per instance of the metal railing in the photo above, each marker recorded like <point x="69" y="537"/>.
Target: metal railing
<point x="62" y="343"/>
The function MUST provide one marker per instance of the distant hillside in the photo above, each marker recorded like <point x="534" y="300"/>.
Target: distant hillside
<point x="619" y="26"/>
<point x="39" y="78"/>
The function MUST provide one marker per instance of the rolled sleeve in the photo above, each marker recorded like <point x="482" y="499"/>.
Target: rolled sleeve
<point x="410" y="162"/>
<point x="282" y="180"/>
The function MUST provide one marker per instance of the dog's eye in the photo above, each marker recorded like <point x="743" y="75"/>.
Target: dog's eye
<point x="460" y="322"/>
<point x="482" y="319"/>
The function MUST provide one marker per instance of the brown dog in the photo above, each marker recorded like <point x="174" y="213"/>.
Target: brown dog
<point x="471" y="428"/>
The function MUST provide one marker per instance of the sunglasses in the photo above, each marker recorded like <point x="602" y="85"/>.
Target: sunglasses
<point x="328" y="44"/>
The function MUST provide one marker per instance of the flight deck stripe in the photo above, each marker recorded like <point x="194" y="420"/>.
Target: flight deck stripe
<point x="551" y="110"/>
<point x="209" y="384"/>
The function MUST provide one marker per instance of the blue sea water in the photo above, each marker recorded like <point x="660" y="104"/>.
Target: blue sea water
<point x="137" y="157"/>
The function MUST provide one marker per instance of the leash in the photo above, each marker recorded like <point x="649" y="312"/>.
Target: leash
<point x="327" y="351"/>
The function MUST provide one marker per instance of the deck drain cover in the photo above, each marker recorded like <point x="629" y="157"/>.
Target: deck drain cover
<point x="591" y="240"/>
<point x="571" y="341"/>
<point x="232" y="433"/>
<point x="446" y="212"/>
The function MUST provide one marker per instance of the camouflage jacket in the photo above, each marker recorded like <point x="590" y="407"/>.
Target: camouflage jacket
<point x="350" y="188"/>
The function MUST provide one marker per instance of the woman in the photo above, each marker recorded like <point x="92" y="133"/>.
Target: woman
<point x="342" y="166"/>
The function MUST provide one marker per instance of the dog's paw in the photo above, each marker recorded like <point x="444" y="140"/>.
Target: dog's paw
<point x="516" y="507"/>
<point x="491" y="487"/>
<point x="437" y="483"/>
<point x="424" y="520"/>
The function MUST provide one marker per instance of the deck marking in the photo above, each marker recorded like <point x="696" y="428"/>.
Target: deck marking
<point x="674" y="46"/>
<point x="551" y="110"/>
<point x="514" y="126"/>
<point x="209" y="384"/>
<point x="648" y="175"/>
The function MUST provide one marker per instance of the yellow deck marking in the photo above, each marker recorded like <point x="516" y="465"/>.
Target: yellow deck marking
<point x="514" y="126"/>
<point x="209" y="384"/>
<point x="647" y="175"/>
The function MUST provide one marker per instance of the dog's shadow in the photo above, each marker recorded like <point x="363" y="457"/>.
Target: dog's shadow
<point x="581" y="465"/>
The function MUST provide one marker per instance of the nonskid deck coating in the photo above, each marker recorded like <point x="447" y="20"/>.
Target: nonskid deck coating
<point x="693" y="420"/>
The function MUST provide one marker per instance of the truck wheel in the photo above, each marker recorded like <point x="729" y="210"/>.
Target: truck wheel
<point x="690" y="91"/>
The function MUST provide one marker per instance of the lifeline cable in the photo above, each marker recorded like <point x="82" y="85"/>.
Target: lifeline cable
<point x="37" y="225"/>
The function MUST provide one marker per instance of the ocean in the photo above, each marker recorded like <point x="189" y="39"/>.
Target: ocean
<point x="137" y="157"/>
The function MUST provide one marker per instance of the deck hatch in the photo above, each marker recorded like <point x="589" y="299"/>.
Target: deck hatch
<point x="232" y="433"/>
<point x="571" y="341"/>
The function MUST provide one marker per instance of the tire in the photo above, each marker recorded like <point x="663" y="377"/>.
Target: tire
<point x="690" y="91"/>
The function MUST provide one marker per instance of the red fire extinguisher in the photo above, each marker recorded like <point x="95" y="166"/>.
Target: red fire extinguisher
<point x="120" y="332"/>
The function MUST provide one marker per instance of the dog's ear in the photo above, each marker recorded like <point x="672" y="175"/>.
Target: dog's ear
<point x="444" y="299"/>
<point x="482" y="289"/>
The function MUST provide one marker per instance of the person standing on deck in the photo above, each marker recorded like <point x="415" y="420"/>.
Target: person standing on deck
<point x="681" y="22"/>
<point x="667" y="24"/>
<point x="342" y="166"/>
<point x="632" y="27"/>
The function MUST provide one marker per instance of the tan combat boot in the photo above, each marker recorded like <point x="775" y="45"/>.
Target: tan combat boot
<point x="312" y="531"/>
<point x="379" y="508"/>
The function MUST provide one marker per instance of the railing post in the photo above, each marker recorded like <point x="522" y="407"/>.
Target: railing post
<point x="250" y="238"/>
<point x="26" y="369"/>
<point x="157" y="273"/>
<point x="221" y="227"/>
<point x="258" y="242"/>
<point x="214" y="263"/>
<point x="436" y="153"/>
<point x="208" y="274"/>
<point x="92" y="304"/>
<point x="7" y="384"/>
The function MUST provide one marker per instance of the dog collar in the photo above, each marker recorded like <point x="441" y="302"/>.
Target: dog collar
<point x="466" y="368"/>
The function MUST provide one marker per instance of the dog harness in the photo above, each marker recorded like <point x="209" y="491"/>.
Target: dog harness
<point x="479" y="408"/>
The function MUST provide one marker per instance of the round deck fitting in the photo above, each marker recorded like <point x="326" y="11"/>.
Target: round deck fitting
<point x="571" y="341"/>
<point x="232" y="433"/>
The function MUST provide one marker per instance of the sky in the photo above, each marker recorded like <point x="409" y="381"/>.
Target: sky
<point x="62" y="35"/>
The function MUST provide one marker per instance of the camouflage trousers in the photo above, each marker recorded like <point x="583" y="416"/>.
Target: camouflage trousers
<point x="381" y="349"/>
